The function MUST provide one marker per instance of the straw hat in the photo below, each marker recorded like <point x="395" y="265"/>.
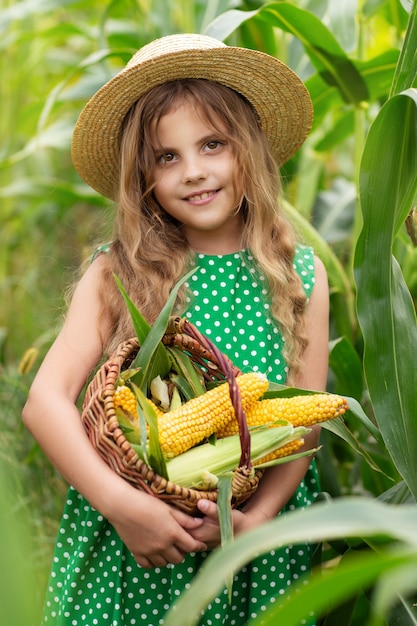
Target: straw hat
<point x="274" y="90"/>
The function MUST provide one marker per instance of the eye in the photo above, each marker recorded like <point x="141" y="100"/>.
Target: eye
<point x="213" y="144"/>
<point x="166" y="157"/>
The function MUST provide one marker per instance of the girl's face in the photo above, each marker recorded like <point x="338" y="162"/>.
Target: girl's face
<point x="194" y="180"/>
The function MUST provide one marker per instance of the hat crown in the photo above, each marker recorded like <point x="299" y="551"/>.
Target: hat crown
<point x="172" y="44"/>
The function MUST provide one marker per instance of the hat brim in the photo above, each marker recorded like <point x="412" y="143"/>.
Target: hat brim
<point x="274" y="90"/>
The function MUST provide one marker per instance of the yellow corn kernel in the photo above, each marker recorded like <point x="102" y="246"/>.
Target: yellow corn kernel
<point x="286" y="450"/>
<point x="197" y="419"/>
<point x="126" y="399"/>
<point x="299" y="410"/>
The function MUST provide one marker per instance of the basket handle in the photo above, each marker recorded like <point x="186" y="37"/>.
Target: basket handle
<point x="182" y="325"/>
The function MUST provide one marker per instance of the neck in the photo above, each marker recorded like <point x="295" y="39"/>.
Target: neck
<point x="216" y="249"/>
<point x="227" y="241"/>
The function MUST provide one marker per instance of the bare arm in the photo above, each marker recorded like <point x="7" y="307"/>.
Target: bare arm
<point x="279" y="483"/>
<point x="50" y="414"/>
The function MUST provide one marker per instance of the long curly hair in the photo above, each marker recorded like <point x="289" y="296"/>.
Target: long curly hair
<point x="149" y="252"/>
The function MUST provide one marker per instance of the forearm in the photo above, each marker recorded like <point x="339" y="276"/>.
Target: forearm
<point x="56" y="425"/>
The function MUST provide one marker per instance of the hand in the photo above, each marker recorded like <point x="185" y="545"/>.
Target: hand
<point x="154" y="532"/>
<point x="209" y="531"/>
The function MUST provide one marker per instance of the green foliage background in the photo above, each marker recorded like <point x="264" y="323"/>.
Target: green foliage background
<point x="350" y="191"/>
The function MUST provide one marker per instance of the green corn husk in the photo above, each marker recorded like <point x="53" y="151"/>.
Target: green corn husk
<point x="191" y="468"/>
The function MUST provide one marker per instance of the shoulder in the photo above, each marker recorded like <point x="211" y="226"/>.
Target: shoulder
<point x="314" y="373"/>
<point x="320" y="289"/>
<point x="319" y="300"/>
<point x="89" y="284"/>
<point x="314" y="277"/>
<point x="320" y="272"/>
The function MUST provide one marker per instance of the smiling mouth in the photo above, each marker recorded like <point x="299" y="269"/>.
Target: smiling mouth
<point x="201" y="196"/>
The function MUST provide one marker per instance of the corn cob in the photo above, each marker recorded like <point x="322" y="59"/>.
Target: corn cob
<point x="126" y="399"/>
<point x="197" y="419"/>
<point x="286" y="450"/>
<point x="299" y="410"/>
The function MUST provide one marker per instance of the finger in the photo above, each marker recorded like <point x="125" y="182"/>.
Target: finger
<point x="143" y="562"/>
<point x="209" y="509"/>
<point x="190" y="544"/>
<point x="201" y="547"/>
<point x="186" y="521"/>
<point x="157" y="560"/>
<point x="176" y="555"/>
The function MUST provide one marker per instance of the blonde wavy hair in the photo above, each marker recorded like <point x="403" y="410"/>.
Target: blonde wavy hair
<point x="149" y="252"/>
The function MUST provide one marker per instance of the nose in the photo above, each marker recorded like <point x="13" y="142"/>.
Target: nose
<point x="194" y="169"/>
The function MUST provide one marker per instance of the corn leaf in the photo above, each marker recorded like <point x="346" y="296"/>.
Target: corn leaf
<point x="132" y="432"/>
<point x="386" y="313"/>
<point x="144" y="432"/>
<point x="287" y="459"/>
<point x="176" y="401"/>
<point x="125" y="375"/>
<point x="377" y="73"/>
<point x="323" y="49"/>
<point x="152" y="359"/>
<point x="183" y="386"/>
<point x="339" y="428"/>
<point x="184" y="366"/>
<point x="224" y="498"/>
<point x="153" y="339"/>
<point x="347" y="366"/>
<point x="406" y="70"/>
<point x="156" y="459"/>
<point x="161" y="363"/>
<point x="345" y="517"/>
<point x="141" y="452"/>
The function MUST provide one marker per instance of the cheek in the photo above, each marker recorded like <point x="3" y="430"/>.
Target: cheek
<point x="237" y="183"/>
<point x="234" y="169"/>
<point x="159" y="184"/>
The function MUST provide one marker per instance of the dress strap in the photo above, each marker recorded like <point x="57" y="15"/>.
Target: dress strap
<point x="103" y="249"/>
<point x="303" y="264"/>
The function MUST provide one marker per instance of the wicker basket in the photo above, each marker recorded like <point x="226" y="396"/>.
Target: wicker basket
<point x="100" y="421"/>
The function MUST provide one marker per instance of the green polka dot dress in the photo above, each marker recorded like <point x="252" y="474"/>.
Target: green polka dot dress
<point x="94" y="578"/>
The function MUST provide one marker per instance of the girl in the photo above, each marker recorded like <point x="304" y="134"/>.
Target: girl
<point x="186" y="140"/>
